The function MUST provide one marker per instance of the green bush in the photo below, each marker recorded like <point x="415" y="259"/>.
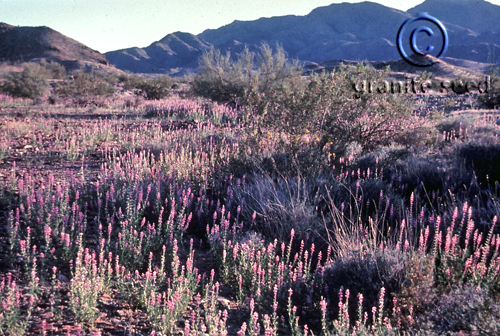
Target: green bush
<point x="53" y="69"/>
<point x="342" y="116"/>
<point x="275" y="81"/>
<point x="221" y="79"/>
<point x="491" y="99"/>
<point x="256" y="79"/>
<point x="324" y="108"/>
<point x="83" y="84"/>
<point x="157" y="88"/>
<point x="130" y="81"/>
<point x="30" y="83"/>
<point x="330" y="109"/>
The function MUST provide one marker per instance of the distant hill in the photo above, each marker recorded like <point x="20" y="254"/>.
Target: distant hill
<point x="478" y="15"/>
<point x="172" y="54"/>
<point x="441" y="69"/>
<point x="363" y="31"/>
<point x="23" y="44"/>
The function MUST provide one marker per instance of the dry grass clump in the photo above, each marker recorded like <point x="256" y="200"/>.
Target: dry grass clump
<point x="275" y="206"/>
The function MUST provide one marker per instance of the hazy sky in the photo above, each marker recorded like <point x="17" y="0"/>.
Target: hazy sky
<point x="107" y="25"/>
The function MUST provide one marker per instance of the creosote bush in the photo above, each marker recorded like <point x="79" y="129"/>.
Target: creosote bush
<point x="148" y="88"/>
<point x="323" y="110"/>
<point x="252" y="79"/>
<point x="157" y="88"/>
<point x="339" y="115"/>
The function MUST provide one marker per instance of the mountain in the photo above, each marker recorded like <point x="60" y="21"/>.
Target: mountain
<point x="23" y="44"/>
<point x="479" y="15"/>
<point x="177" y="50"/>
<point x="359" y="32"/>
<point x="330" y="32"/>
<point x="481" y="18"/>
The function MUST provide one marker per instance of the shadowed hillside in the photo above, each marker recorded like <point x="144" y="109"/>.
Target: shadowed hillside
<point x="22" y="44"/>
<point x="177" y="50"/>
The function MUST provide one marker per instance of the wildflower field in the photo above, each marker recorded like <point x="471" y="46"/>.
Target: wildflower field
<point x="273" y="204"/>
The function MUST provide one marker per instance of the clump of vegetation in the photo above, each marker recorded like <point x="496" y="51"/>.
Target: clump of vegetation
<point x="331" y="109"/>
<point x="466" y="309"/>
<point x="53" y="70"/>
<point x="149" y="88"/>
<point x="85" y="84"/>
<point x="365" y="274"/>
<point x="29" y="83"/>
<point x="272" y="91"/>
<point x="491" y="99"/>
<point x="276" y="206"/>
<point x="252" y="79"/>
<point x="154" y="89"/>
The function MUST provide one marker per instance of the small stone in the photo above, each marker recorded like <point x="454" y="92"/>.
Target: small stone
<point x="224" y="303"/>
<point x="63" y="278"/>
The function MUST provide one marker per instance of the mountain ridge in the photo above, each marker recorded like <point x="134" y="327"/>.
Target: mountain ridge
<point x="336" y="31"/>
<point x="23" y="44"/>
<point x="363" y="31"/>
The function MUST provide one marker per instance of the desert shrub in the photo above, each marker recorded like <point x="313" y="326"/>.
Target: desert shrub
<point x="331" y="110"/>
<point x="255" y="79"/>
<point x="370" y="119"/>
<point x="221" y="79"/>
<point x="157" y="88"/>
<point x="275" y="81"/>
<point x="53" y="70"/>
<point x="364" y="274"/>
<point x="30" y="83"/>
<point x="455" y="126"/>
<point x="129" y="81"/>
<point x="491" y="99"/>
<point x="85" y="84"/>
<point x="326" y="107"/>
